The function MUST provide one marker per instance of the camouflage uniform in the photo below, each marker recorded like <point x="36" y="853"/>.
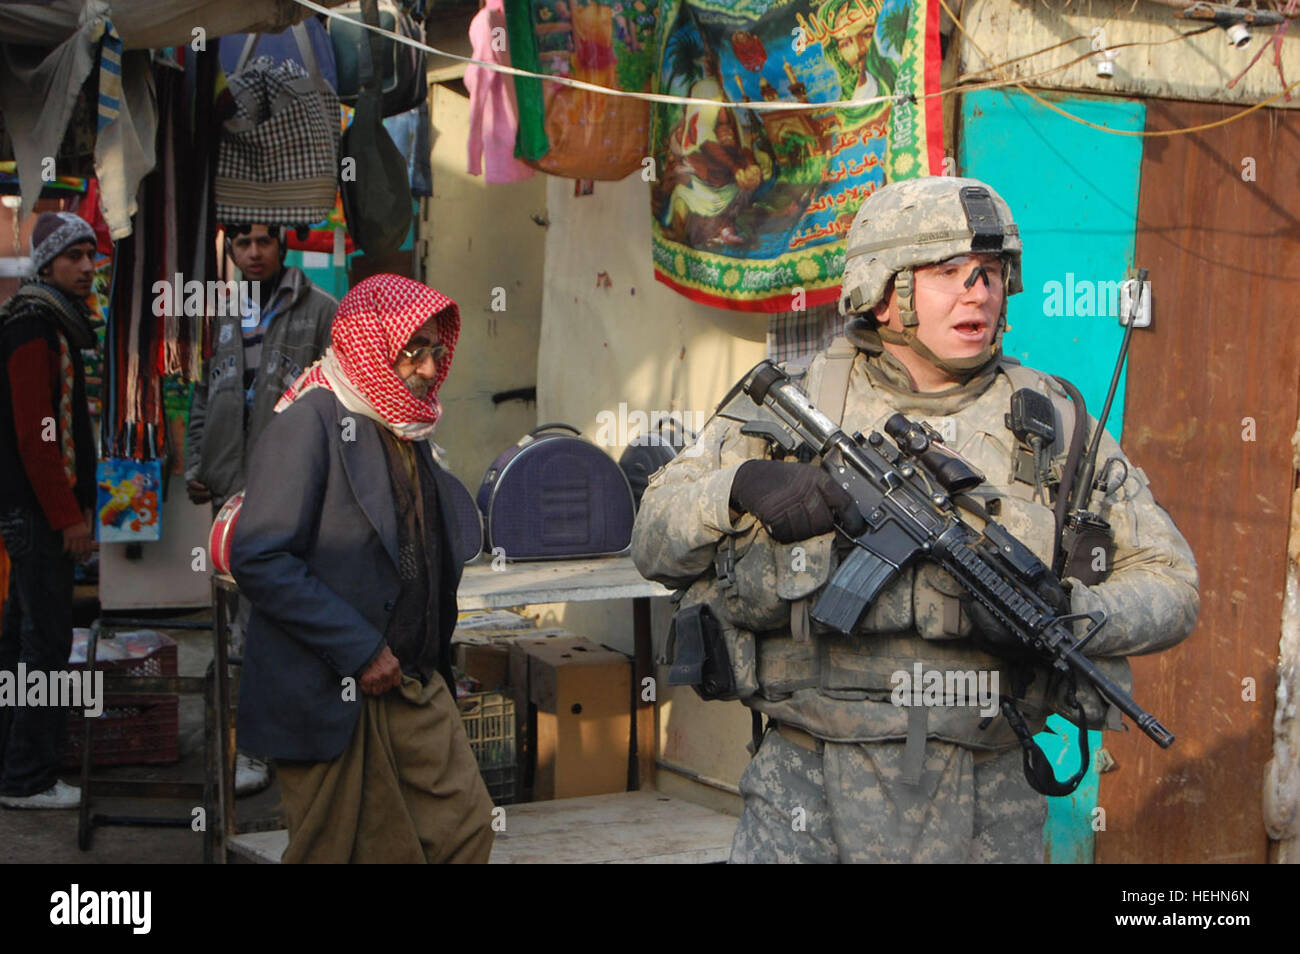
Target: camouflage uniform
<point x="844" y="794"/>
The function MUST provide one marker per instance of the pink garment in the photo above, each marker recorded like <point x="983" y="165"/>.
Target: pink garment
<point x="493" y="112"/>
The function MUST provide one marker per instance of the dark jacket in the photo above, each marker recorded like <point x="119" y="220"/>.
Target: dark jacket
<point x="315" y="552"/>
<point x="32" y="475"/>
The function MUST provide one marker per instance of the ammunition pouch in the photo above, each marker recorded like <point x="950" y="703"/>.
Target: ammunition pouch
<point x="699" y="654"/>
<point x="706" y="650"/>
<point x="758" y="578"/>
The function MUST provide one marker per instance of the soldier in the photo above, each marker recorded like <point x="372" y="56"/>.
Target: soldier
<point x="844" y="772"/>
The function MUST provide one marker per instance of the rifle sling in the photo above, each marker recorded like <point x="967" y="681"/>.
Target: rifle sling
<point x="1038" y="767"/>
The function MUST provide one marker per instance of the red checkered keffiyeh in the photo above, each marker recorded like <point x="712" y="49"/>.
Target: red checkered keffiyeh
<point x="375" y="321"/>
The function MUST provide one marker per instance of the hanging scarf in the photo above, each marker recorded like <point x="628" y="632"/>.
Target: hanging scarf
<point x="375" y="321"/>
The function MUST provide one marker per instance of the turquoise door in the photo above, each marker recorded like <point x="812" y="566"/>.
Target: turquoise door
<point x="1074" y="193"/>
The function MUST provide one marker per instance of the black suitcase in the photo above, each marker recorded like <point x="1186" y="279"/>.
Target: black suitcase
<point x="556" y="496"/>
<point x="640" y="460"/>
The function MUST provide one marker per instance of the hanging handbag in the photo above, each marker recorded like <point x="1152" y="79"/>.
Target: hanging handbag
<point x="377" y="195"/>
<point x="402" y="80"/>
<point x="277" y="160"/>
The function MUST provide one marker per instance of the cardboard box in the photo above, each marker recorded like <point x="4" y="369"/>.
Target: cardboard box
<point x="581" y="698"/>
<point x="476" y="645"/>
<point x="518" y="647"/>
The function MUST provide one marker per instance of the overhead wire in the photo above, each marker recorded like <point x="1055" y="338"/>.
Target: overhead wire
<point x="790" y="105"/>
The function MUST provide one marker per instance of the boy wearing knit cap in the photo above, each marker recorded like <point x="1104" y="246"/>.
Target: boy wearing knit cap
<point x="47" y="492"/>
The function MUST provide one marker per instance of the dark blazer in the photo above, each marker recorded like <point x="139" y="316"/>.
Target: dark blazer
<point x="315" y="552"/>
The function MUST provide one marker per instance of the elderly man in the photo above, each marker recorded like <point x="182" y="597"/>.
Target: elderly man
<point x="344" y="547"/>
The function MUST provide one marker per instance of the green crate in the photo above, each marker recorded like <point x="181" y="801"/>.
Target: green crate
<point x="489" y="720"/>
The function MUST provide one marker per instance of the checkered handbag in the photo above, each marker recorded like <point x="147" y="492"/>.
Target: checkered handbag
<point x="277" y="162"/>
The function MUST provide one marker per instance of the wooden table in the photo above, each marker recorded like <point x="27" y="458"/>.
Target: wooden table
<point x="553" y="581"/>
<point x="580" y="581"/>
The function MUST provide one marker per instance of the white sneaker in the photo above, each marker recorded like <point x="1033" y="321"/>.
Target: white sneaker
<point x="251" y="775"/>
<point x="57" y="796"/>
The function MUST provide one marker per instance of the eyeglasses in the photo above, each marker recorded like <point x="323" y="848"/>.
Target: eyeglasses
<point x="417" y="355"/>
<point x="956" y="275"/>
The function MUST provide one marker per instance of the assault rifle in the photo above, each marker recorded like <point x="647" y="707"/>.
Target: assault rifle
<point x="906" y="493"/>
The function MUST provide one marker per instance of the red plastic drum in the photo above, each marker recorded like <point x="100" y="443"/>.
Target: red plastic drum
<point x="223" y="531"/>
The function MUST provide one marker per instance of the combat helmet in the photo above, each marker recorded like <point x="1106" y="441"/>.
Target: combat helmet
<point x="916" y="222"/>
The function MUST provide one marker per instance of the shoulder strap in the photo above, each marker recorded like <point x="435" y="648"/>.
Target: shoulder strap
<point x="303" y="41"/>
<point x="832" y="395"/>
<point x="833" y="389"/>
<point x="246" y="54"/>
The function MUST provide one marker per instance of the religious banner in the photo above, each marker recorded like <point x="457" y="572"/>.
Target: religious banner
<point x="750" y="207"/>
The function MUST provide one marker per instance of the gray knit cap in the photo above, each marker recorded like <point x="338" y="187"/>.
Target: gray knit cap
<point x="53" y="233"/>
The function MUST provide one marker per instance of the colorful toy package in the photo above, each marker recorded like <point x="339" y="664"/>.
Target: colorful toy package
<point x="129" y="507"/>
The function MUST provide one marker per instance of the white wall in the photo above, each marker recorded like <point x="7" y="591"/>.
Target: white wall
<point x="610" y="334"/>
<point x="478" y="238"/>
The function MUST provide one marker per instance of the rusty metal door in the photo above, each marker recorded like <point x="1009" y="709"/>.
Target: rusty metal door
<point x="1213" y="393"/>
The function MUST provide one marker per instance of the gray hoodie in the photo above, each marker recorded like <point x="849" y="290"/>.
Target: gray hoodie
<point x="216" y="446"/>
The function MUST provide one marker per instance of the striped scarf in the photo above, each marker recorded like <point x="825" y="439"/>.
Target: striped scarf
<point x="66" y="380"/>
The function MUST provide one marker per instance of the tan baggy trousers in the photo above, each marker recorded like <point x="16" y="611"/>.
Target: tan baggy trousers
<point x="407" y="788"/>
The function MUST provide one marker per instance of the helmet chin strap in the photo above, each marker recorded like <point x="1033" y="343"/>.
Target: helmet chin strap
<point x="903" y="284"/>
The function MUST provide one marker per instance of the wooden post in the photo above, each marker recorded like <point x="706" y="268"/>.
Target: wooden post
<point x="646" y="711"/>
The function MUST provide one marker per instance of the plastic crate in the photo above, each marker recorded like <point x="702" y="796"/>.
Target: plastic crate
<point x="128" y="734"/>
<point x="135" y="728"/>
<point x="160" y="662"/>
<point x="489" y="720"/>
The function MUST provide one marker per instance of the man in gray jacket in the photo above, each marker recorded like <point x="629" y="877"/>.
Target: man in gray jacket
<point x="252" y="366"/>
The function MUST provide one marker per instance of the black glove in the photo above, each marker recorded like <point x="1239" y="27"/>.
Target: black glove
<point x="794" y="501"/>
<point x="990" y="635"/>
